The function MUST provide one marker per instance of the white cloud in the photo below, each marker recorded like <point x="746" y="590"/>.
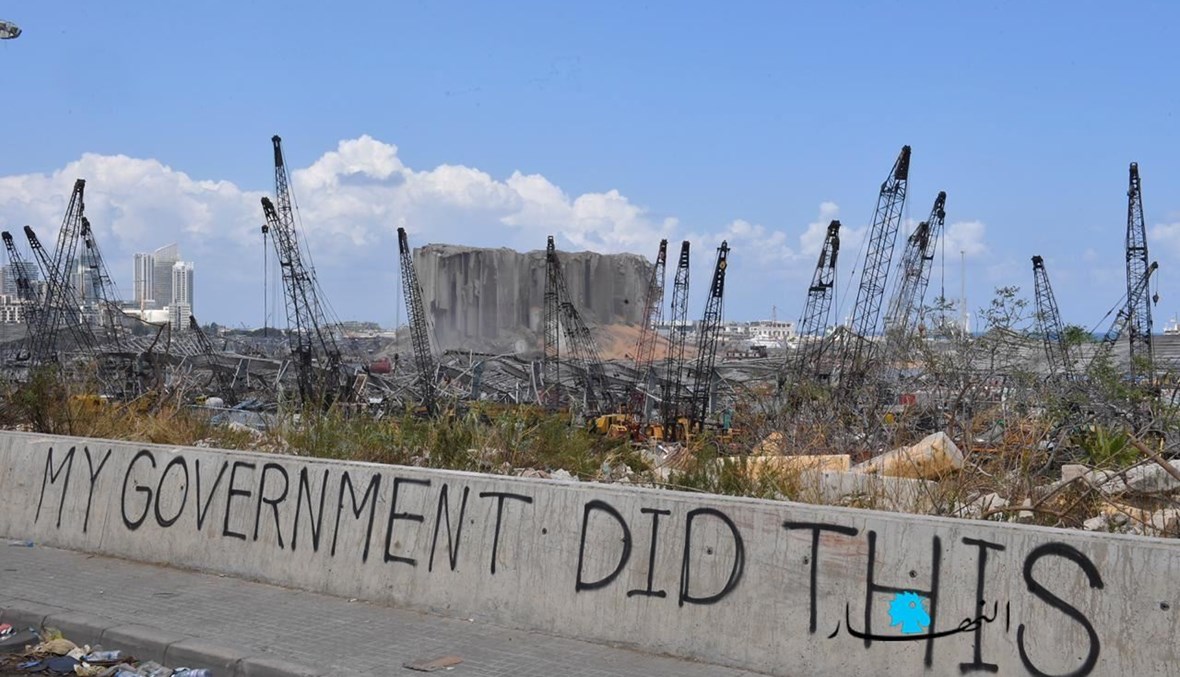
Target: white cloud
<point x="966" y="237"/>
<point x="1166" y="235"/>
<point x="353" y="197"/>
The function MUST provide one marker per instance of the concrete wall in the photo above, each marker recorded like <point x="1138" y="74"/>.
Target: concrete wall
<point x="777" y="587"/>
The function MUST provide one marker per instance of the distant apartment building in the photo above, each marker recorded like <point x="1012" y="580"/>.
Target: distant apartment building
<point x="164" y="282"/>
<point x="8" y="276"/>
<point x="11" y="309"/>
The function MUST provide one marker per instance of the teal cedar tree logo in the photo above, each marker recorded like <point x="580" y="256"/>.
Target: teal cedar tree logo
<point x="908" y="611"/>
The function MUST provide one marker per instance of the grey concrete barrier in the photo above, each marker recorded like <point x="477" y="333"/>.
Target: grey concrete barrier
<point x="777" y="587"/>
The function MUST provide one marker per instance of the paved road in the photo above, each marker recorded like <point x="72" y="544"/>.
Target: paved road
<point x="329" y="633"/>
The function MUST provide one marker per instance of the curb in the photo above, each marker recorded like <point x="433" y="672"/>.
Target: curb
<point x="149" y="643"/>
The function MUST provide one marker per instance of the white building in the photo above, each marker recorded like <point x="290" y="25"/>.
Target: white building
<point x="153" y="276"/>
<point x="182" y="284"/>
<point x="178" y="314"/>
<point x="12" y="311"/>
<point x="771" y="333"/>
<point x="145" y="275"/>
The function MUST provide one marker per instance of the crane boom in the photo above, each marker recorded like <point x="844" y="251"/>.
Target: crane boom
<point x="646" y="346"/>
<point x="1124" y="317"/>
<point x="579" y="340"/>
<point x="707" y="345"/>
<point x="59" y="310"/>
<point x="309" y="332"/>
<point x="25" y="292"/>
<point x="419" y="323"/>
<point x="41" y="348"/>
<point x="913" y="270"/>
<point x="105" y="301"/>
<point x="551" y="367"/>
<point x="1138" y="305"/>
<point x="818" y="309"/>
<point x="224" y="386"/>
<point x="678" y="336"/>
<point x="1049" y="319"/>
<point x="866" y="311"/>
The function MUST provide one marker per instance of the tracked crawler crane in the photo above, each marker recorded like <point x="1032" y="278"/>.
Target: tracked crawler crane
<point x="710" y="330"/>
<point x="677" y="339"/>
<point x="66" y="319"/>
<point x="59" y="312"/>
<point x="597" y="396"/>
<point x="866" y="312"/>
<point x="419" y="323"/>
<point x="314" y="350"/>
<point x="1138" y="310"/>
<point x="818" y="309"/>
<point x="646" y="347"/>
<point x="1049" y="320"/>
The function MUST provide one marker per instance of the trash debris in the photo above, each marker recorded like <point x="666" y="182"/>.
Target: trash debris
<point x="443" y="663"/>
<point x="21" y="544"/>
<point x="18" y="640"/>
<point x="105" y="657"/>
<point x="49" y="653"/>
<point x="59" y="646"/>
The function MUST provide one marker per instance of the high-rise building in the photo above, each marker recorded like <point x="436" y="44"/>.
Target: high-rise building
<point x="162" y="261"/>
<point x="145" y="274"/>
<point x="153" y="277"/>
<point x="182" y="284"/>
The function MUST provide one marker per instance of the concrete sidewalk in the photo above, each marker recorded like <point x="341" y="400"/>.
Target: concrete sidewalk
<point x="328" y="634"/>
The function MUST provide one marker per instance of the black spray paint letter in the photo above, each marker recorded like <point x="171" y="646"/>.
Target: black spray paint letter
<point x="739" y="559"/>
<point x="602" y="506"/>
<point x="1041" y="592"/>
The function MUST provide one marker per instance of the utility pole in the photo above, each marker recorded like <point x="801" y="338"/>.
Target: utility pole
<point x="963" y="290"/>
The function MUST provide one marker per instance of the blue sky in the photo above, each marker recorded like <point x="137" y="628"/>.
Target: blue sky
<point x="621" y="121"/>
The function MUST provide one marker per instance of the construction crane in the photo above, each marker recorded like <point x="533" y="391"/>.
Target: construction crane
<point x="597" y="395"/>
<point x="1049" y="319"/>
<point x="913" y="270"/>
<point x="646" y="347"/>
<point x="25" y="292"/>
<point x="710" y="331"/>
<point x="678" y="337"/>
<point x="105" y="301"/>
<point x="59" y="309"/>
<point x="818" y="309"/>
<point x="882" y="235"/>
<point x="1123" y="319"/>
<point x="551" y="366"/>
<point x="224" y="384"/>
<point x="419" y="323"/>
<point x="1138" y="309"/>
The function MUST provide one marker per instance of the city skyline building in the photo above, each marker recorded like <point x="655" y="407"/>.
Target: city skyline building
<point x="164" y="282"/>
<point x="182" y="283"/>
<point x="145" y="274"/>
<point x="162" y="261"/>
